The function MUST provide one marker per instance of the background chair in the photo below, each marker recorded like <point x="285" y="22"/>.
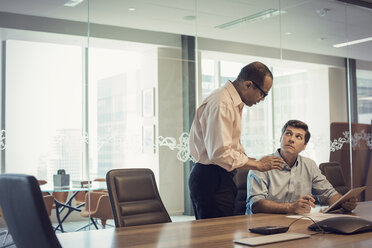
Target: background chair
<point x="48" y="202"/>
<point x="99" y="208"/>
<point x="240" y="180"/>
<point x="24" y="211"/>
<point x="134" y="198"/>
<point x="48" y="199"/>
<point x="101" y="180"/>
<point x="333" y="172"/>
<point x="80" y="196"/>
<point x="42" y="182"/>
<point x="4" y="233"/>
<point x="59" y="196"/>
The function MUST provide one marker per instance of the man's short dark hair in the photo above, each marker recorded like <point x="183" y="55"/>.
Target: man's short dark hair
<point x="255" y="71"/>
<point x="298" y="124"/>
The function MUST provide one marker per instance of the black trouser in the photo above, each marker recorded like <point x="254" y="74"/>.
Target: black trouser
<point x="212" y="191"/>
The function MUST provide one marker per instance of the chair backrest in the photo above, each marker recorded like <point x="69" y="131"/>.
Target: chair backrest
<point x="240" y="180"/>
<point x="134" y="198"/>
<point x="333" y="172"/>
<point x="24" y="211"/>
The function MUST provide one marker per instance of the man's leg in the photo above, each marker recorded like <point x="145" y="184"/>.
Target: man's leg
<point x="226" y="194"/>
<point x="212" y="191"/>
<point x="203" y="183"/>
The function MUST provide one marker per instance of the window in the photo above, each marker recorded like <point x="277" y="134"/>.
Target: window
<point x="364" y="92"/>
<point x="43" y="109"/>
<point x="295" y="86"/>
<point x="115" y="109"/>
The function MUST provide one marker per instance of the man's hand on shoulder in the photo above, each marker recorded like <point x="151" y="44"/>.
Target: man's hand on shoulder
<point x="269" y="163"/>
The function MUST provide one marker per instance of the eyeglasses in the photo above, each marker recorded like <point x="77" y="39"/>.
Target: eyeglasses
<point x="264" y="94"/>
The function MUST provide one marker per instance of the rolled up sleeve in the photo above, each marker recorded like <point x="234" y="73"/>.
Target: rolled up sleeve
<point x="257" y="188"/>
<point x="321" y="187"/>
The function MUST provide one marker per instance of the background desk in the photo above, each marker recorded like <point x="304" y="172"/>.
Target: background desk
<point x="219" y="232"/>
<point x="60" y="206"/>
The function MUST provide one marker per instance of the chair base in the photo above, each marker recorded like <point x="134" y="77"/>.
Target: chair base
<point x="87" y="225"/>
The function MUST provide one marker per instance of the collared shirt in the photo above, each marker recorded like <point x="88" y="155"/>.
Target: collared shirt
<point x="289" y="184"/>
<point x="216" y="130"/>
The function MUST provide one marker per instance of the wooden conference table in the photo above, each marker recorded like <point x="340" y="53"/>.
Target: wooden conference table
<point x="218" y="232"/>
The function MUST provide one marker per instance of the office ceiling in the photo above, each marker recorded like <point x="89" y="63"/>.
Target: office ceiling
<point x="305" y="25"/>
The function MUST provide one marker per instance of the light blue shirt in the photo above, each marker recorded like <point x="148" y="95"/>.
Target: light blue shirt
<point x="288" y="184"/>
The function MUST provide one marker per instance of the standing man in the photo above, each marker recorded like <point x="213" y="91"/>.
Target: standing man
<point x="215" y="142"/>
<point x="291" y="190"/>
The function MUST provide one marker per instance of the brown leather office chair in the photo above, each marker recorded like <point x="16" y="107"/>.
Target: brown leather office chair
<point x="333" y="172"/>
<point x="240" y="180"/>
<point x="134" y="198"/>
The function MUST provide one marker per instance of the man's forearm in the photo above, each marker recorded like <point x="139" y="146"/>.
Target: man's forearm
<point x="251" y="164"/>
<point x="267" y="206"/>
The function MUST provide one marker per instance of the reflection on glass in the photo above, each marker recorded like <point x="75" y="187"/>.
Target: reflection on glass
<point x="364" y="90"/>
<point x="43" y="116"/>
<point x="117" y="121"/>
<point x="296" y="85"/>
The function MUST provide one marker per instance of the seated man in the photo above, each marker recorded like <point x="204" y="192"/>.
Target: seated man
<point x="291" y="190"/>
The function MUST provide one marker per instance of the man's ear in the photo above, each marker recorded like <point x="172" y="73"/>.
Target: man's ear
<point x="247" y="84"/>
<point x="304" y="148"/>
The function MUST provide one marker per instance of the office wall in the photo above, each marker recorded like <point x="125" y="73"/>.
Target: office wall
<point x="337" y="95"/>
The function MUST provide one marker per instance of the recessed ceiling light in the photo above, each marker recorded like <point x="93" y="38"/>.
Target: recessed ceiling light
<point x="349" y="43"/>
<point x="189" y="18"/>
<point x="131" y="9"/>
<point x="288" y="33"/>
<point x="73" y="3"/>
<point x="252" y="18"/>
<point x="323" y="12"/>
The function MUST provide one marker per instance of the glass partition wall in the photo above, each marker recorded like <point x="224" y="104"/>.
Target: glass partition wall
<point x="90" y="86"/>
<point x="43" y="79"/>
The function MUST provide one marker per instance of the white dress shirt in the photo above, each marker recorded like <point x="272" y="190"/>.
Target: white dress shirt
<point x="216" y="130"/>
